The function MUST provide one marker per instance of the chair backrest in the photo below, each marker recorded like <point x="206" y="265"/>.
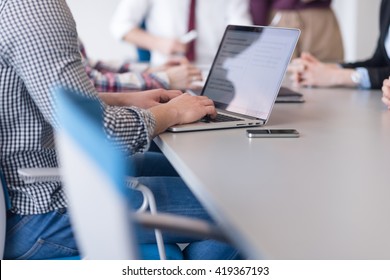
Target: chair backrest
<point x="93" y="170"/>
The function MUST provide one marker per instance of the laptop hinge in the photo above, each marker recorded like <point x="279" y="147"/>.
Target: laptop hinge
<point x="225" y="112"/>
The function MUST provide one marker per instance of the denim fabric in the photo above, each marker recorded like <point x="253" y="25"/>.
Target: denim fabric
<point x="152" y="164"/>
<point x="42" y="236"/>
<point x="50" y="235"/>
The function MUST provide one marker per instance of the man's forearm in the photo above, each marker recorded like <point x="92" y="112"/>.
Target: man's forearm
<point x="141" y="38"/>
<point x="112" y="98"/>
<point x="165" y="116"/>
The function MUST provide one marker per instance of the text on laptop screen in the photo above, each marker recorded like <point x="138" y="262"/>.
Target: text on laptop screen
<point x="249" y="68"/>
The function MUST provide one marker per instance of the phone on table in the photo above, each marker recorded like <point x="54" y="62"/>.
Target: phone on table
<point x="272" y="133"/>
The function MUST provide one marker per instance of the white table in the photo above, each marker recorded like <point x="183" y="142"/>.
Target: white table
<point x="325" y="195"/>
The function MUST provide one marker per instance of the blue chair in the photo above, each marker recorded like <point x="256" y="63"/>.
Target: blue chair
<point x="147" y="251"/>
<point x="94" y="176"/>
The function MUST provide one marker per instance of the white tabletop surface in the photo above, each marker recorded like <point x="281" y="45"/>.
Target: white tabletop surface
<point x="325" y="195"/>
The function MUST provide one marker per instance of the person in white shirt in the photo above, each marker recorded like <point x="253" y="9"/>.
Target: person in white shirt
<point x="167" y="21"/>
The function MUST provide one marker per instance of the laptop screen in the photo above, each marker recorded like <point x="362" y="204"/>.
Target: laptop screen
<point x="249" y="68"/>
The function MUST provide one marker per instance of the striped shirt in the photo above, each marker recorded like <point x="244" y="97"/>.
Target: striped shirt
<point x="113" y="77"/>
<point x="38" y="51"/>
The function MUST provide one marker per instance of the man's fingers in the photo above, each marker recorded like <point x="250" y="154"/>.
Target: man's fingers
<point x="211" y="111"/>
<point x="386" y="101"/>
<point x="308" y="57"/>
<point x="167" y="95"/>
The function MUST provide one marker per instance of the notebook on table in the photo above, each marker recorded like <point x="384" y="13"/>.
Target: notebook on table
<point x="246" y="75"/>
<point x="287" y="95"/>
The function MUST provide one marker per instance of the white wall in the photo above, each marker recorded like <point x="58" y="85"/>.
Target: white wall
<point x="93" y="18"/>
<point x="359" y="21"/>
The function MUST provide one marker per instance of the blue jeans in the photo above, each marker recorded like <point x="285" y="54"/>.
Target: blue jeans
<point x="50" y="235"/>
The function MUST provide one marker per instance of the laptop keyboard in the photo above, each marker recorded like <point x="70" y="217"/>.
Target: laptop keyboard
<point x="220" y="118"/>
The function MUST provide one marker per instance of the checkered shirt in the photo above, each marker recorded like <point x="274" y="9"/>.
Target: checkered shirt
<point x="38" y="51"/>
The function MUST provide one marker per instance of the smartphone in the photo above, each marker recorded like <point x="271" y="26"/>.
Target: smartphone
<point x="272" y="133"/>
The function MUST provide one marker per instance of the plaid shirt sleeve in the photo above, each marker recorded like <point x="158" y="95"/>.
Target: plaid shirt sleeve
<point x="38" y="51"/>
<point x="116" y="78"/>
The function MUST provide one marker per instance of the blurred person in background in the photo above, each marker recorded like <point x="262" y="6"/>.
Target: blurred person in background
<point x="177" y="73"/>
<point x="320" y="32"/>
<point x="308" y="70"/>
<point x="167" y="22"/>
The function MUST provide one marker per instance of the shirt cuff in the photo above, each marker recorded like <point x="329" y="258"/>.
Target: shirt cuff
<point x="150" y="122"/>
<point x="365" y="78"/>
<point x="163" y="78"/>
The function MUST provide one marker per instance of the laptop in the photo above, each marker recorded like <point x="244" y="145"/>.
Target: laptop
<point x="246" y="75"/>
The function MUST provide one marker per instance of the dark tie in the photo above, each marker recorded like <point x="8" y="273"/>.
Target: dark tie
<point x="191" y="26"/>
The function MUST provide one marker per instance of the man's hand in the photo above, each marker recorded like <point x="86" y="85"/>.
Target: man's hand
<point x="183" y="76"/>
<point x="142" y="99"/>
<point x="172" y="62"/>
<point x="183" y="109"/>
<point x="192" y="108"/>
<point x="309" y="71"/>
<point x="170" y="46"/>
<point x="386" y="93"/>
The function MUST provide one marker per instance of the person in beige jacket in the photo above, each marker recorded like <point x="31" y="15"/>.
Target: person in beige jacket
<point x="320" y="35"/>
